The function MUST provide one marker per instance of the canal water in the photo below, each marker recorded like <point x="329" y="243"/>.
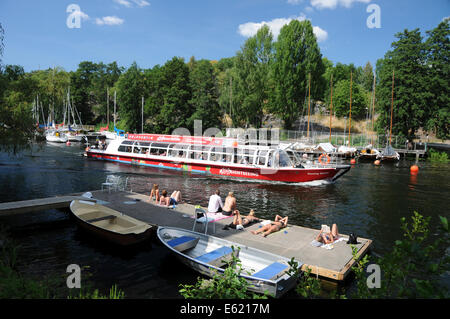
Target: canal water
<point x="368" y="201"/>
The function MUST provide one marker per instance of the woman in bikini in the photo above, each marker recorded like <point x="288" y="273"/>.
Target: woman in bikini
<point x="154" y="193"/>
<point x="328" y="238"/>
<point x="276" y="225"/>
<point x="240" y="221"/>
<point x="174" y="199"/>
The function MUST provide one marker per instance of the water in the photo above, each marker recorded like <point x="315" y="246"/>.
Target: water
<point x="368" y="201"/>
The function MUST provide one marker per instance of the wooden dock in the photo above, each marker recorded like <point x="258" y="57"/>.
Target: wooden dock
<point x="292" y="241"/>
<point x="34" y="205"/>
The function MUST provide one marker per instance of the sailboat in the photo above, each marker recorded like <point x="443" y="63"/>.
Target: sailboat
<point x="369" y="152"/>
<point x="346" y="150"/>
<point x="389" y="154"/>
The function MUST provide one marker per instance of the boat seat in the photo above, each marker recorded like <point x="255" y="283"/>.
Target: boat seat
<point x="272" y="271"/>
<point x="183" y="243"/>
<point x="216" y="257"/>
<point x="93" y="220"/>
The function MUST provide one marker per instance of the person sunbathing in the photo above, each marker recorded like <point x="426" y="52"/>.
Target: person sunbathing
<point x="174" y="199"/>
<point x="154" y="194"/>
<point x="239" y="221"/>
<point x="328" y="237"/>
<point x="276" y="225"/>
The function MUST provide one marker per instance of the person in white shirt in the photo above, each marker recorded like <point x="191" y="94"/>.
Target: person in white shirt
<point x="215" y="203"/>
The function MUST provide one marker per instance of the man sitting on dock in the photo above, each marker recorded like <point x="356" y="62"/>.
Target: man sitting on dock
<point x="279" y="223"/>
<point x="215" y="203"/>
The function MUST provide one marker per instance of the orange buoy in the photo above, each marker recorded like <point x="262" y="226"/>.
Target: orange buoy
<point x="414" y="169"/>
<point x="352" y="161"/>
<point x="377" y="162"/>
<point x="68" y="143"/>
<point x="320" y="159"/>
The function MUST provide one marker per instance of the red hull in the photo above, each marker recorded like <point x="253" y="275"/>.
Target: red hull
<point x="291" y="175"/>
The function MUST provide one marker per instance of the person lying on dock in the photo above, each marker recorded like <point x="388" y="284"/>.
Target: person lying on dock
<point x="174" y="199"/>
<point x="276" y="225"/>
<point x="326" y="236"/>
<point x="239" y="221"/>
<point x="154" y="194"/>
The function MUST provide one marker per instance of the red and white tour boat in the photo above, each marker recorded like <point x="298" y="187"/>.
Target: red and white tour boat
<point x="215" y="156"/>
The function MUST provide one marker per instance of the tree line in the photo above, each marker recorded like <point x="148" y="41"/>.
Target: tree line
<point x="266" y="76"/>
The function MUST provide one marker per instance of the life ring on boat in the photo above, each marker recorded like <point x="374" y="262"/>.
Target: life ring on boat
<point x="320" y="159"/>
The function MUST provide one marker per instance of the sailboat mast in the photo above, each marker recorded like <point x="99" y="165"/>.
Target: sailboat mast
<point x="142" y="116"/>
<point x="309" y="103"/>
<point x="373" y="105"/>
<point x="350" y="115"/>
<point x="107" y="107"/>
<point x="392" y="107"/>
<point x="331" y="103"/>
<point x="115" y="109"/>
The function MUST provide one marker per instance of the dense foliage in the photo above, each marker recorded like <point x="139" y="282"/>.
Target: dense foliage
<point x="267" y="75"/>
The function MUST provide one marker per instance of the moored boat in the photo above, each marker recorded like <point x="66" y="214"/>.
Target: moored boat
<point x="388" y="154"/>
<point x="56" y="136"/>
<point x="208" y="255"/>
<point x="368" y="153"/>
<point x="109" y="224"/>
<point x="215" y="157"/>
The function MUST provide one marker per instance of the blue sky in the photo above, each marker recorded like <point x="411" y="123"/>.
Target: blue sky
<point x="151" y="32"/>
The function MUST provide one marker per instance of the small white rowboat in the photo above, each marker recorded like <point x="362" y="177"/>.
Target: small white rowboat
<point x="207" y="254"/>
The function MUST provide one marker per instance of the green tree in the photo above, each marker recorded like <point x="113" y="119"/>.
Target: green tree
<point x="174" y="93"/>
<point x="130" y="90"/>
<point x="297" y="54"/>
<point x="367" y="77"/>
<point x="204" y="96"/>
<point x="16" y="97"/>
<point x="252" y="82"/>
<point x="341" y="100"/>
<point x="81" y="89"/>
<point x="407" y="60"/>
<point x="438" y="61"/>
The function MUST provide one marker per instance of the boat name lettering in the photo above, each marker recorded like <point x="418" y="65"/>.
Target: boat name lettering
<point x="227" y="171"/>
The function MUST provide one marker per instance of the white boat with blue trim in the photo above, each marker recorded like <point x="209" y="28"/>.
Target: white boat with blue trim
<point x="264" y="271"/>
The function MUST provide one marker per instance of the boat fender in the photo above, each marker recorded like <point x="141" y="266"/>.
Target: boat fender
<point x="320" y="159"/>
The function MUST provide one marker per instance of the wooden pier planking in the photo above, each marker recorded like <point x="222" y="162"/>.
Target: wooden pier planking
<point x="40" y="204"/>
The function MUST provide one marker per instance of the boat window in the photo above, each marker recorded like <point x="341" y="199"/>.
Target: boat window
<point x="124" y="148"/>
<point x="127" y="142"/>
<point x="279" y="158"/>
<point x="261" y="159"/>
<point x="159" y="149"/>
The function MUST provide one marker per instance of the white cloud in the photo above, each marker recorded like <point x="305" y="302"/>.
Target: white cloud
<point x="320" y="33"/>
<point x="251" y="28"/>
<point x="123" y="3"/>
<point x="128" y="4"/>
<point x="332" y="4"/>
<point x="141" y="3"/>
<point x="109" y="20"/>
<point x="445" y="18"/>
